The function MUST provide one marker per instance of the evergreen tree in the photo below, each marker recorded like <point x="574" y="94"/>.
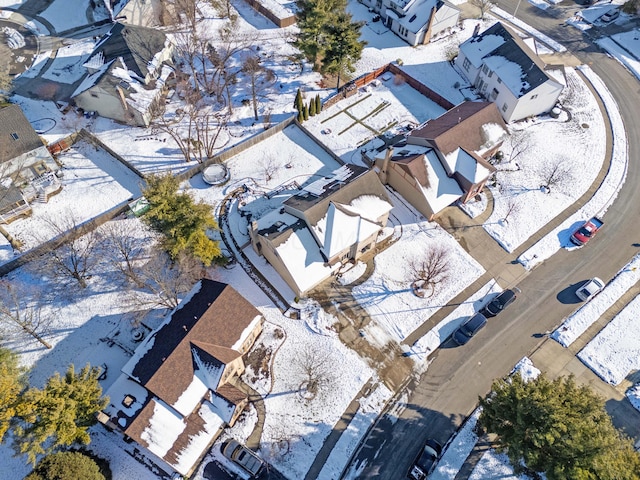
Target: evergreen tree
<point x="300" y="117"/>
<point x="344" y="47"/>
<point x="312" y="18"/>
<point x="312" y="107"/>
<point x="318" y="104"/>
<point x="558" y="428"/>
<point x="12" y="383"/>
<point x="298" y="102"/>
<point x="59" y="414"/>
<point x="66" y="466"/>
<point x="182" y="222"/>
<point x="305" y="112"/>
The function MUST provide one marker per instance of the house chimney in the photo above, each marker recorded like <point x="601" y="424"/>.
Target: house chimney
<point x="385" y="165"/>
<point x="476" y="31"/>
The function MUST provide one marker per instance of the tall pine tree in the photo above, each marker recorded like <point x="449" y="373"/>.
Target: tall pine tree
<point x="59" y="414"/>
<point x="558" y="428"/>
<point x="181" y="220"/>
<point x="312" y="19"/>
<point x="12" y="382"/>
<point x="344" y="47"/>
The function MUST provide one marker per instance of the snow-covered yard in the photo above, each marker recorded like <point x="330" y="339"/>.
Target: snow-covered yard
<point x="295" y="426"/>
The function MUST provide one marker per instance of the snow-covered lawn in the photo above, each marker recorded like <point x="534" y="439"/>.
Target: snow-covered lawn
<point x="575" y="144"/>
<point x="388" y="296"/>
<point x="615" y="351"/>
<point x="93" y="182"/>
<point x="296" y="427"/>
<point x="578" y="322"/>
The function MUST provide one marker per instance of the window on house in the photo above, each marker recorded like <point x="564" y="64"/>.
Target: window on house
<point x="466" y="64"/>
<point x="412" y="19"/>
<point x="533" y="97"/>
<point x="504" y="107"/>
<point x="499" y="81"/>
<point x="485" y="69"/>
<point x="494" y="93"/>
<point x="490" y="73"/>
<point x="15" y="136"/>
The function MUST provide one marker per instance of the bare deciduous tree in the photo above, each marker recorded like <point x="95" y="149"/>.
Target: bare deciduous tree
<point x="126" y="249"/>
<point x="519" y="143"/>
<point x="21" y="309"/>
<point x="483" y="5"/>
<point x="195" y="129"/>
<point x="270" y="167"/>
<point x="165" y="282"/>
<point x="513" y="207"/>
<point x="315" y="369"/>
<point x="429" y="270"/>
<point x="260" y="78"/>
<point x="555" y="173"/>
<point x="74" y="254"/>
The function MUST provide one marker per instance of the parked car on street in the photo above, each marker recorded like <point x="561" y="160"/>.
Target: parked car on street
<point x="586" y="231"/>
<point x="426" y="460"/>
<point x="244" y="457"/>
<point x="610" y="15"/>
<point x="502" y="301"/>
<point x="469" y="328"/>
<point x="589" y="289"/>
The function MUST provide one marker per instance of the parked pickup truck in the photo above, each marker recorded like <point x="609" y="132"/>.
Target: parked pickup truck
<point x="587" y="231"/>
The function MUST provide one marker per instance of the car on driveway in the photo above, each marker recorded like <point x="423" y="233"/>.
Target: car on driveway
<point x="502" y="301"/>
<point x="244" y="457"/>
<point x="426" y="460"/>
<point x="586" y="231"/>
<point x="610" y="15"/>
<point x="589" y="289"/>
<point x="469" y="328"/>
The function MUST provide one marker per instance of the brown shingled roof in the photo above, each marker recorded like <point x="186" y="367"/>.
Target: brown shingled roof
<point x="414" y="165"/>
<point x="460" y="127"/>
<point x="212" y="320"/>
<point x="231" y="394"/>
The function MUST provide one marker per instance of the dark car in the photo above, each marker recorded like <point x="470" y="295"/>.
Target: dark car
<point x="502" y="301"/>
<point x="244" y="457"/>
<point x="469" y="328"/>
<point x="426" y="460"/>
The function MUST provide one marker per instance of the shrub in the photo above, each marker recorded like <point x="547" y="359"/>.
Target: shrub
<point x="66" y="466"/>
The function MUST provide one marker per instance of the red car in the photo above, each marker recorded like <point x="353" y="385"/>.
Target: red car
<point x="587" y="231"/>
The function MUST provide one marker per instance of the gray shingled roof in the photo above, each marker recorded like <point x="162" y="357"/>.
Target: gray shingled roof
<point x="515" y="50"/>
<point x="135" y="45"/>
<point x="17" y="136"/>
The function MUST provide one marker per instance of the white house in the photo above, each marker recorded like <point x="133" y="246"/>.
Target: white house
<point x="415" y="21"/>
<point x="505" y="70"/>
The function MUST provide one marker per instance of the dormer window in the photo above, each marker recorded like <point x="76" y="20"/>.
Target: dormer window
<point x="15" y="136"/>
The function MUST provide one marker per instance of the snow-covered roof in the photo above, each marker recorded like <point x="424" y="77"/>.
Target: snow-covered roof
<point x="91" y="79"/>
<point x="476" y="48"/>
<point x="417" y="14"/>
<point x="340" y="228"/>
<point x="369" y="207"/>
<point x="442" y="190"/>
<point x="510" y="73"/>
<point x="302" y="258"/>
<point x="438" y="188"/>
<point x="501" y="50"/>
<point x="163" y="428"/>
<point x="467" y="165"/>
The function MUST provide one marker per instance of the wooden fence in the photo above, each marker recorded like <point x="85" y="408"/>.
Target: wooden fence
<point x="352" y="87"/>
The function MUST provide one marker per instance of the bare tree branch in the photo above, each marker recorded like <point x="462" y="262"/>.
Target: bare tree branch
<point x="429" y="270"/>
<point x="21" y="309"/>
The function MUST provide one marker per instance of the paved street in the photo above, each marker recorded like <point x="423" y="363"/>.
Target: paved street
<point x="448" y="392"/>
